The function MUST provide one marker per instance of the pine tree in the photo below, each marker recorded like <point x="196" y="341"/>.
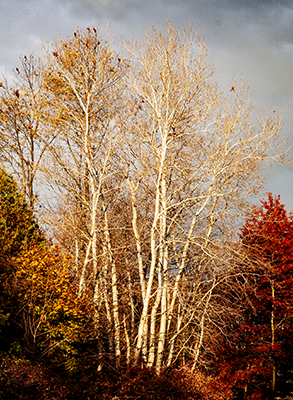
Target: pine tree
<point x="18" y="227"/>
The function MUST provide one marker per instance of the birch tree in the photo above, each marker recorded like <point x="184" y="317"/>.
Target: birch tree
<point x="82" y="80"/>
<point x="192" y="160"/>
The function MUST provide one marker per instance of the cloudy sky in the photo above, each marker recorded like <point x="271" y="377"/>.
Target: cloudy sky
<point x="252" y="39"/>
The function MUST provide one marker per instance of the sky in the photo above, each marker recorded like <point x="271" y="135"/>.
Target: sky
<point x="249" y="39"/>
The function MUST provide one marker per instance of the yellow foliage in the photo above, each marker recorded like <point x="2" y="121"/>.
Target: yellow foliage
<point x="53" y="315"/>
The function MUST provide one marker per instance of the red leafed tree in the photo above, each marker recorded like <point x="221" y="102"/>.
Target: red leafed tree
<point x="260" y="358"/>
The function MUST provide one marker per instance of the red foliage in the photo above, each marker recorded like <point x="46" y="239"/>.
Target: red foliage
<point x="22" y="379"/>
<point x="265" y="334"/>
<point x="171" y="384"/>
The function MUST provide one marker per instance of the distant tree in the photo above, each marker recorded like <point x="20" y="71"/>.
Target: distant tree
<point x="260" y="359"/>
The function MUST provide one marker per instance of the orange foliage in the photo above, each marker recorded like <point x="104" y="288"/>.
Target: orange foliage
<point x="52" y="315"/>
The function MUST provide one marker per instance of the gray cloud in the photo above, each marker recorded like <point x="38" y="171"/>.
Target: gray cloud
<point x="248" y="38"/>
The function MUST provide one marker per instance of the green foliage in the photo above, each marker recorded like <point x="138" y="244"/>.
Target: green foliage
<point x="18" y="228"/>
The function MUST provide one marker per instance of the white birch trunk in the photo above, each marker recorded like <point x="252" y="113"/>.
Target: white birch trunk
<point x="164" y="272"/>
<point x="114" y="287"/>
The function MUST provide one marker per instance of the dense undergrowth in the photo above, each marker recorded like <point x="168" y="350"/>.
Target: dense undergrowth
<point x="20" y="378"/>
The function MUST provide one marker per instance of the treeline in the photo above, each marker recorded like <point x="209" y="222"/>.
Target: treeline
<point x="148" y="170"/>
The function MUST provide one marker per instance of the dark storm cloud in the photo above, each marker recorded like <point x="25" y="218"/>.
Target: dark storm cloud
<point x="25" y="24"/>
<point x="252" y="39"/>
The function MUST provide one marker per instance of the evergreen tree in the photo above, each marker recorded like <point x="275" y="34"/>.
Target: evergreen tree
<point x="18" y="227"/>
